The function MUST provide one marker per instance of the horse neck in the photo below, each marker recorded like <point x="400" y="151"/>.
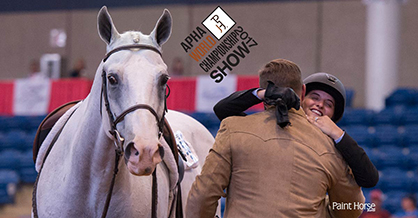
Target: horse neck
<point x="90" y="130"/>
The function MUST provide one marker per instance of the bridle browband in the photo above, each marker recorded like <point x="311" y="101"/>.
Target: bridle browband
<point x="114" y="121"/>
<point x="130" y="47"/>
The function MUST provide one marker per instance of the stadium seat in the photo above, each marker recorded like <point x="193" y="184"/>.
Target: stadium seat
<point x="401" y="96"/>
<point x="362" y="135"/>
<point x="396" y="179"/>
<point x="27" y="170"/>
<point x="14" y="139"/>
<point x="9" y="159"/>
<point x="411" y="116"/>
<point x="8" y="185"/>
<point x="2" y="139"/>
<point x="357" y="117"/>
<point x="393" y="156"/>
<point x="27" y="141"/>
<point x="413" y="157"/>
<point x="390" y="116"/>
<point x="393" y="200"/>
<point x="387" y="134"/>
<point x="17" y="122"/>
<point x="410" y="135"/>
<point x="209" y="120"/>
<point x="34" y="122"/>
<point x="349" y="96"/>
<point x="3" y="124"/>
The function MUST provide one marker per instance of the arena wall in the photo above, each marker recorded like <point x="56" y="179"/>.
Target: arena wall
<point x="324" y="36"/>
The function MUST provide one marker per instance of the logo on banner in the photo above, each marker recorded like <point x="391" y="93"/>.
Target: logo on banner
<point x="223" y="49"/>
<point x="218" y="23"/>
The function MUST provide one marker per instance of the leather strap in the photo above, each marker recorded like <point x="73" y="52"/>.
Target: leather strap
<point x="130" y="47"/>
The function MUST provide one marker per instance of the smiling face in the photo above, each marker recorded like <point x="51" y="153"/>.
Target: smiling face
<point x="318" y="103"/>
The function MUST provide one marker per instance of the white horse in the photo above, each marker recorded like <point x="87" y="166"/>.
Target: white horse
<point x="77" y="172"/>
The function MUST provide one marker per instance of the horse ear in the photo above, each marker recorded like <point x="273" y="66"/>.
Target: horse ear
<point x="162" y="29"/>
<point x="107" y="30"/>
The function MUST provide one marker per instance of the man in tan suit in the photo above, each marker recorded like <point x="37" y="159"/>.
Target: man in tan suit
<point x="270" y="171"/>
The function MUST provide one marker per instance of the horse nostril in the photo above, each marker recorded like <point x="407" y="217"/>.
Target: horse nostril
<point x="130" y="149"/>
<point x="161" y="151"/>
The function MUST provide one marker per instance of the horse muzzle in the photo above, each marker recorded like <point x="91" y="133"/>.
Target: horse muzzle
<point x="142" y="160"/>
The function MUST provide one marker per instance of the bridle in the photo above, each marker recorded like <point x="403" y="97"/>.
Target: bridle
<point x="118" y="138"/>
<point x="114" y="121"/>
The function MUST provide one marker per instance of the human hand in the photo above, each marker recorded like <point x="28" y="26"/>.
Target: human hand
<point x="326" y="125"/>
<point x="260" y="93"/>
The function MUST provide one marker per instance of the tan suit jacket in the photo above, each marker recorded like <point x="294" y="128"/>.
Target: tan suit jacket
<point x="268" y="171"/>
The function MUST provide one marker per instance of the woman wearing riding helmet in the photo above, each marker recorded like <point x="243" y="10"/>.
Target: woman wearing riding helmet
<point x="323" y="105"/>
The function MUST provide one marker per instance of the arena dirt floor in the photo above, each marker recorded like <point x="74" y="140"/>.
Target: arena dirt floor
<point x="22" y="206"/>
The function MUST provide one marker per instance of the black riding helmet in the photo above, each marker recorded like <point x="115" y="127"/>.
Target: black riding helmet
<point x="331" y="85"/>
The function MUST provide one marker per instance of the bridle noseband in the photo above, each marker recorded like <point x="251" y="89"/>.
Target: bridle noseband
<point x="114" y="121"/>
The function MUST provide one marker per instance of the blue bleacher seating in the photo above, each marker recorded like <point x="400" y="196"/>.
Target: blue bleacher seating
<point x="349" y="96"/>
<point x="5" y="123"/>
<point x="362" y="134"/>
<point x="401" y="96"/>
<point x="411" y="116"/>
<point x="357" y="117"/>
<point x="392" y="201"/>
<point x="34" y="122"/>
<point x="27" y="141"/>
<point x="14" y="139"/>
<point x="396" y="179"/>
<point x="9" y="159"/>
<point x="387" y="134"/>
<point x="390" y="116"/>
<point x="410" y="135"/>
<point x="24" y="123"/>
<point x="207" y="119"/>
<point x="9" y="180"/>
<point x="393" y="156"/>
<point x="27" y="170"/>
<point x="413" y="157"/>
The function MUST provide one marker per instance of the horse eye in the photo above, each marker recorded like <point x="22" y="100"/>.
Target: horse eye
<point x="112" y="80"/>
<point x="164" y="80"/>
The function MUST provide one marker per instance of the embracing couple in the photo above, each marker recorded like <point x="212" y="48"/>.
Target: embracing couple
<point x="291" y="160"/>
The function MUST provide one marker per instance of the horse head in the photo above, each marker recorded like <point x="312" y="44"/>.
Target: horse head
<point x="134" y="81"/>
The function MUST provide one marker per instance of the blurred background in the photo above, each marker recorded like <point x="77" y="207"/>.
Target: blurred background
<point x="49" y="53"/>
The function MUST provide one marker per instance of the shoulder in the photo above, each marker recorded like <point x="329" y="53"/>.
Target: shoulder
<point x="256" y="123"/>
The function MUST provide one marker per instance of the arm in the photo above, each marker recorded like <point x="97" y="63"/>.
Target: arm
<point x="210" y="184"/>
<point x="364" y="171"/>
<point x="345" y="192"/>
<point x="235" y="104"/>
